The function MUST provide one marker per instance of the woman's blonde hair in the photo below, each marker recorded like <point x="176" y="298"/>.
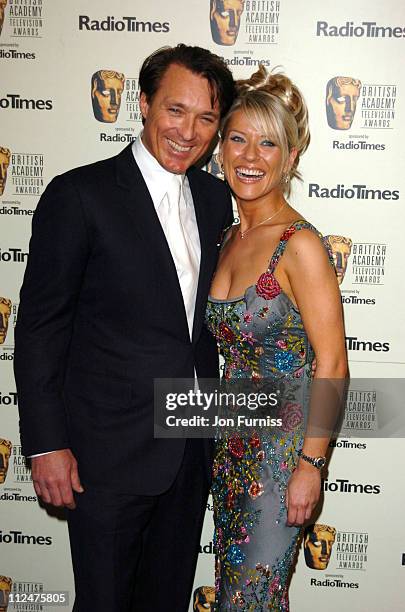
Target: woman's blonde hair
<point x="275" y="106"/>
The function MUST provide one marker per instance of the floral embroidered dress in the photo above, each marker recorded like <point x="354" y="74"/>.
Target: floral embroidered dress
<point x="262" y="338"/>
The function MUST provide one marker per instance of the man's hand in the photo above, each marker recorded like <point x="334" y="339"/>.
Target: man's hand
<point x="55" y="477"/>
<point x="303" y="493"/>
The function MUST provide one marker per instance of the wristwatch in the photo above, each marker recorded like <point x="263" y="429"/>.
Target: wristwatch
<point x="318" y="462"/>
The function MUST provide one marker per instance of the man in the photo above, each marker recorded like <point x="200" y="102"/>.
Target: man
<point x="318" y="543"/>
<point x="106" y="92"/>
<point x="342" y="94"/>
<point x="114" y="295"/>
<point x="225" y="16"/>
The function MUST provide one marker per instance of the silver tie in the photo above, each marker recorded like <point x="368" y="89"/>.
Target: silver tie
<point x="182" y="250"/>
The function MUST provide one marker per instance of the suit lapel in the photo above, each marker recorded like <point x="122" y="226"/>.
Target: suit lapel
<point x="147" y="226"/>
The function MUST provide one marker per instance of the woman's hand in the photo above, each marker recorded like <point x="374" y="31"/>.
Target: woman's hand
<point x="303" y="491"/>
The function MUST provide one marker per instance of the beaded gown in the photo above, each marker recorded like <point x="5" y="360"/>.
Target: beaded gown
<point x="262" y="338"/>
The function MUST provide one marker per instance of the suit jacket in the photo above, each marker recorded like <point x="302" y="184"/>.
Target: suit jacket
<point x="101" y="315"/>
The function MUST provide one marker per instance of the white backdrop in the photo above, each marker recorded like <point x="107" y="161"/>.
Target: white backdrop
<point x="353" y="186"/>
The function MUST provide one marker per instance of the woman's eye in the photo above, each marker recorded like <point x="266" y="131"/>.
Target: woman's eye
<point x="268" y="143"/>
<point x="236" y="138"/>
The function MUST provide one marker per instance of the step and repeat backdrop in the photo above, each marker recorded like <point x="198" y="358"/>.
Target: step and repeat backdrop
<point x="58" y="60"/>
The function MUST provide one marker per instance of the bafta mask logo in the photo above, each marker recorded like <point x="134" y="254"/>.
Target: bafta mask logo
<point x="106" y="91"/>
<point x="204" y="599"/>
<point x="5" y="155"/>
<point x="225" y="18"/>
<point x="3" y="4"/>
<point x="5" y="452"/>
<point x="5" y="588"/>
<point x="342" y="94"/>
<point x="5" y="312"/>
<point x="318" y="542"/>
<point x="341" y="248"/>
<point x="214" y="166"/>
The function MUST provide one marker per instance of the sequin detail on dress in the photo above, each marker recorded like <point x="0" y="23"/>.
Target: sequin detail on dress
<point x="261" y="337"/>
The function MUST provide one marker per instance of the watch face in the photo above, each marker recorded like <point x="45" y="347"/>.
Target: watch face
<point x="320" y="462"/>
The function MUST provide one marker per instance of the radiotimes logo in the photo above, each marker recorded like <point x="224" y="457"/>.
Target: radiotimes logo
<point x="334" y="582"/>
<point x="346" y="444"/>
<point x="8" y="399"/>
<point x="16" y="102"/>
<point x="360" y="411"/>
<point x="125" y="24"/>
<point x="23" y="172"/>
<point x="355" y="344"/>
<point x="13" y="54"/>
<point x="18" y="537"/>
<point x="366" y="29"/>
<point x="356" y="191"/>
<point x="25" y="18"/>
<point x="207" y="549"/>
<point x="342" y="485"/>
<point x="13" y="255"/>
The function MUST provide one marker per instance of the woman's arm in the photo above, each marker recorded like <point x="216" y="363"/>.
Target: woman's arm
<point x="314" y="288"/>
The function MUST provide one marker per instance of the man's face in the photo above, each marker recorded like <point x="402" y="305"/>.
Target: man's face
<point x="225" y="18"/>
<point x="5" y="311"/>
<point x="340" y="252"/>
<point x="180" y="121"/>
<point x="106" y="94"/>
<point x="204" y="599"/>
<point x="318" y="549"/>
<point x="341" y="105"/>
<point x="5" y="587"/>
<point x="3" y="4"/>
<point x="4" y="162"/>
<point x="5" y="452"/>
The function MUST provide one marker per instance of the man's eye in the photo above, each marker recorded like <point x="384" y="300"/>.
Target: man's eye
<point x="208" y="119"/>
<point x="174" y="110"/>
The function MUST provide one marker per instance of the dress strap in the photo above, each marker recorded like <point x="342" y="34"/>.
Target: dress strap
<point x="286" y="235"/>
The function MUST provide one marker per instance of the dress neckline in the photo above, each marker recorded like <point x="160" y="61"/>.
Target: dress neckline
<point x="269" y="269"/>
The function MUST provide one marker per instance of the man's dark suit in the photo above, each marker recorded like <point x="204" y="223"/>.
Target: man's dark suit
<point x="101" y="314"/>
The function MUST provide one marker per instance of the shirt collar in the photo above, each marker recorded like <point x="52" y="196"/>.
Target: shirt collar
<point x="156" y="177"/>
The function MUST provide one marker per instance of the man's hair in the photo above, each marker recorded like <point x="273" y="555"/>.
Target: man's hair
<point x="196" y="59"/>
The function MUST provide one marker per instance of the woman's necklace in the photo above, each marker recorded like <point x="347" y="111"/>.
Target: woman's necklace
<point x="243" y="234"/>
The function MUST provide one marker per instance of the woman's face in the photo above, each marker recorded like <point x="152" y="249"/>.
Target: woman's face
<point x="252" y="162"/>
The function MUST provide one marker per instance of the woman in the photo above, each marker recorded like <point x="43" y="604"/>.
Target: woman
<point x="274" y="306"/>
